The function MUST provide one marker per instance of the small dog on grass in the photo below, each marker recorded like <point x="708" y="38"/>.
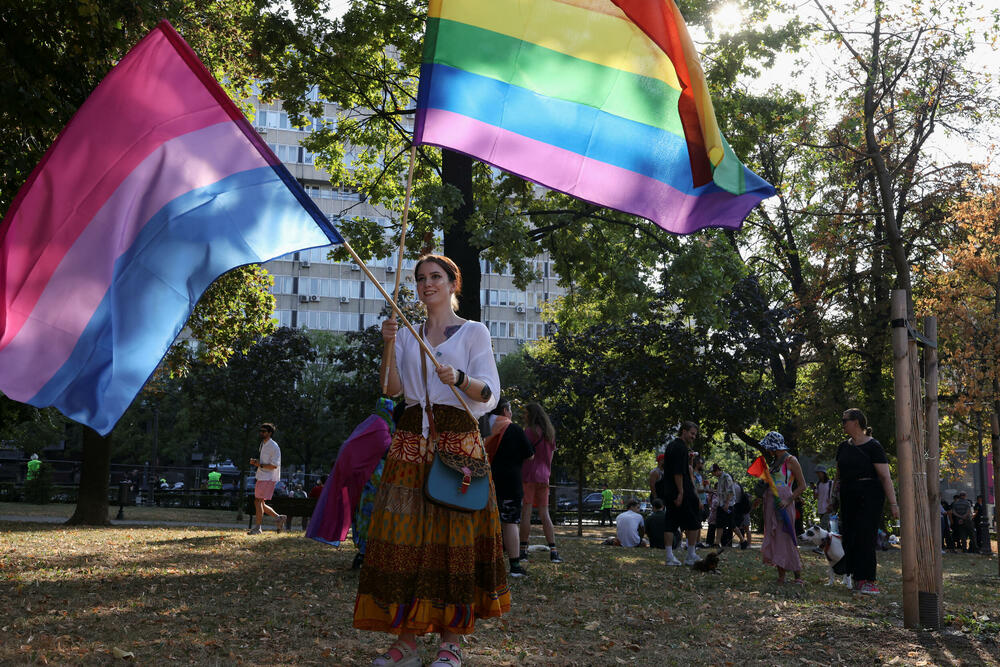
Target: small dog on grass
<point x="710" y="563"/>
<point x="832" y="549"/>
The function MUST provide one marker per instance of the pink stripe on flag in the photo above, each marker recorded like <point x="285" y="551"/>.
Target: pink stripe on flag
<point x="584" y="178"/>
<point x="77" y="286"/>
<point x="150" y="88"/>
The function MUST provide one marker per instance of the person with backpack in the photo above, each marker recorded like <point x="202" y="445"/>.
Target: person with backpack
<point x="725" y="495"/>
<point x="741" y="510"/>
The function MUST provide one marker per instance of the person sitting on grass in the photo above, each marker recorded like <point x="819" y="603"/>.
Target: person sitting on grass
<point x="629" y="526"/>
<point x="656" y="525"/>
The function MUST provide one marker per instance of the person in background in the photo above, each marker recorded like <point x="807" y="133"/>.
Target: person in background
<point x="607" y="501"/>
<point x="215" y="480"/>
<point x="34" y="466"/>
<point x="741" y="515"/>
<point x="268" y="474"/>
<point x="656" y="524"/>
<point x="824" y="489"/>
<point x="629" y="527"/>
<point x="961" y="523"/>
<point x="778" y="546"/>
<point x="725" y="498"/>
<point x="535" y="473"/>
<point x="865" y="484"/>
<point x="655" y="475"/>
<point x="508" y="448"/>
<point x="678" y="493"/>
<point x="947" y="539"/>
<point x="317" y="489"/>
<point x="982" y="524"/>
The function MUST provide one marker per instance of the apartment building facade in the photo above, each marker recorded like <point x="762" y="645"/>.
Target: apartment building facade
<point x="315" y="292"/>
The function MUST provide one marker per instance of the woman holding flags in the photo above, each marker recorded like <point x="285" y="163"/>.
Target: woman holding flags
<point x="429" y="568"/>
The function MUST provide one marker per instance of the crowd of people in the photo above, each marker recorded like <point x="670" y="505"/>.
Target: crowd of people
<point x="431" y="562"/>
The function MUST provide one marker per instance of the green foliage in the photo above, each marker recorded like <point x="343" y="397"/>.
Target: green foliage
<point x="227" y="403"/>
<point x="53" y="53"/>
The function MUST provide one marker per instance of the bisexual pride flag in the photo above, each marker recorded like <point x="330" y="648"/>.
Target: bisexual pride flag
<point x="604" y="100"/>
<point x="156" y="187"/>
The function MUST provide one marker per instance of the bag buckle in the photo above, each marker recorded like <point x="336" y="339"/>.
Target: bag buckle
<point x="466" y="480"/>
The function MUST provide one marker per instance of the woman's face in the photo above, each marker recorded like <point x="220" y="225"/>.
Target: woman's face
<point x="845" y="420"/>
<point x="433" y="285"/>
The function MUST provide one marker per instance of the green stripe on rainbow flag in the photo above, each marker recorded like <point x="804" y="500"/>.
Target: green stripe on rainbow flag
<point x="553" y="74"/>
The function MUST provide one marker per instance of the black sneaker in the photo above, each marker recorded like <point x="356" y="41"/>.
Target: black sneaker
<point x="517" y="571"/>
<point x="523" y="555"/>
<point x="359" y="560"/>
<point x="554" y="556"/>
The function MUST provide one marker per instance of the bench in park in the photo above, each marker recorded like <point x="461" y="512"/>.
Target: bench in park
<point x="290" y="507"/>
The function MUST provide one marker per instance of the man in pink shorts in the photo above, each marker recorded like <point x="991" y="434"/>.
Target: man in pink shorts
<point x="268" y="473"/>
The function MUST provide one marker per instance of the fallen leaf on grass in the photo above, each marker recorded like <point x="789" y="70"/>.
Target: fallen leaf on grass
<point x="593" y="625"/>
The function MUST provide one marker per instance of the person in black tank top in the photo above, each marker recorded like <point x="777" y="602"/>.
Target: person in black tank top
<point x="863" y="472"/>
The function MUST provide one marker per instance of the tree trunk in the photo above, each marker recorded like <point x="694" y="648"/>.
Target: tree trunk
<point x="579" y="500"/>
<point x="92" y="501"/>
<point x="456" y="170"/>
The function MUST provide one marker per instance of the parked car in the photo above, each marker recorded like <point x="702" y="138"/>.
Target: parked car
<point x="227" y="467"/>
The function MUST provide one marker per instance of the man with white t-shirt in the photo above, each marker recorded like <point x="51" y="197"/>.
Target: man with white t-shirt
<point x="630" y="526"/>
<point x="268" y="473"/>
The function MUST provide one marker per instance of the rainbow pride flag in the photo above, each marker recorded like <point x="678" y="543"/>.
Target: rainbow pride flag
<point x="603" y="100"/>
<point x="157" y="186"/>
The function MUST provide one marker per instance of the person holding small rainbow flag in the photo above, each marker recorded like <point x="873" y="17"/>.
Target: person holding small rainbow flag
<point x="786" y="483"/>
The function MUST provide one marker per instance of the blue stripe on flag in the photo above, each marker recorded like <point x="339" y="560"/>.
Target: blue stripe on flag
<point x="245" y="218"/>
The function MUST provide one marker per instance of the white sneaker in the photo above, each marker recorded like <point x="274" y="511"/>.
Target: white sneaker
<point x="673" y="562"/>
<point x="691" y="560"/>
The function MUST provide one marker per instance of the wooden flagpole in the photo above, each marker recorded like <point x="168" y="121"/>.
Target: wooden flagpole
<point x="399" y="263"/>
<point x="406" y="322"/>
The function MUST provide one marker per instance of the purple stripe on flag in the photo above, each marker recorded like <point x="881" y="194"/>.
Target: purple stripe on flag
<point x="592" y="181"/>
<point x="81" y="280"/>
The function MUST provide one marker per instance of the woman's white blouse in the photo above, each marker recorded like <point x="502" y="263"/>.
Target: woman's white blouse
<point x="469" y="349"/>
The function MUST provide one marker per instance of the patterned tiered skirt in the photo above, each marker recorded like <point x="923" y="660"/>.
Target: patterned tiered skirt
<point x="429" y="568"/>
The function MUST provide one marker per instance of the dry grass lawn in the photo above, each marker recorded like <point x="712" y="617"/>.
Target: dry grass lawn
<point x="217" y="596"/>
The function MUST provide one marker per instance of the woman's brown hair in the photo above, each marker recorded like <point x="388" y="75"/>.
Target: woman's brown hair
<point x="537" y="418"/>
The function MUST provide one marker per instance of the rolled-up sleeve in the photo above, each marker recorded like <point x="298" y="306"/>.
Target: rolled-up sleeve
<point x="483" y="367"/>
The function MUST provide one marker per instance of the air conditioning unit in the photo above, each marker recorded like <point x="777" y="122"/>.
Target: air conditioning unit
<point x="390" y="269"/>
<point x="538" y="309"/>
<point x="520" y="308"/>
<point x="520" y="341"/>
<point x="355" y="267"/>
<point x="314" y="297"/>
<point x="345" y="299"/>
<point x="303" y="298"/>
<point x="261" y="129"/>
<point x="304" y="264"/>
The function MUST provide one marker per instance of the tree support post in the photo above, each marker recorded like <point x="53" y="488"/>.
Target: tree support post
<point x="920" y="598"/>
<point x="933" y="459"/>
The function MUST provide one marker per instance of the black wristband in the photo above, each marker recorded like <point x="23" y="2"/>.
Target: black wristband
<point x="461" y="378"/>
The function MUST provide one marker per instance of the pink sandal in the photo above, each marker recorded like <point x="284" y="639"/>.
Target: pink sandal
<point x="452" y="660"/>
<point x="408" y="656"/>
